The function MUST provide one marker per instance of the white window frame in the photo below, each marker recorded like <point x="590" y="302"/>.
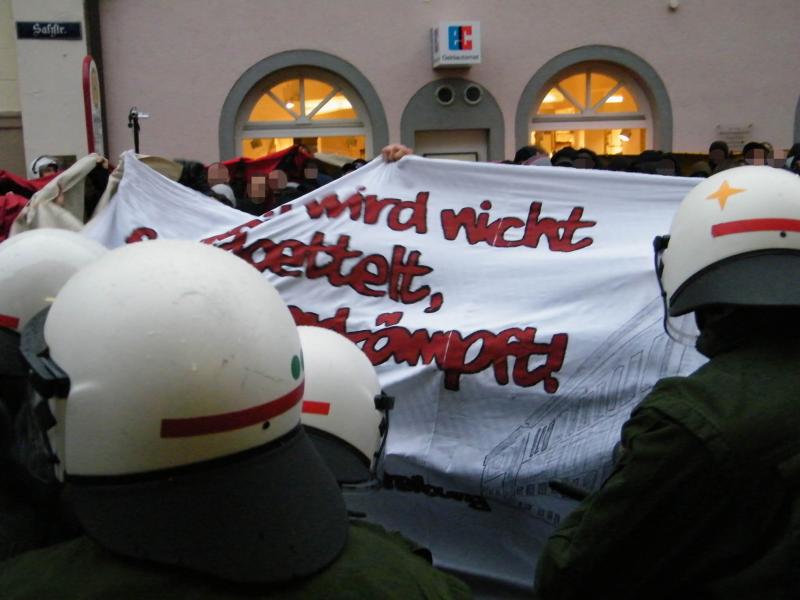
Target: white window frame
<point x="303" y="126"/>
<point x="589" y="118"/>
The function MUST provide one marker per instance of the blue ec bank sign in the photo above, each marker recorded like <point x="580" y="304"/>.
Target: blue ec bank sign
<point x="456" y="44"/>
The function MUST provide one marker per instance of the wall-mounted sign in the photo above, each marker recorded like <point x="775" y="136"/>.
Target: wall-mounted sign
<point x="93" y="108"/>
<point x="48" y="30"/>
<point x="456" y="44"/>
<point x="736" y="136"/>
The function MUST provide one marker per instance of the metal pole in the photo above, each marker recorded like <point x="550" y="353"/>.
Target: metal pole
<point x="136" y="135"/>
<point x="133" y="123"/>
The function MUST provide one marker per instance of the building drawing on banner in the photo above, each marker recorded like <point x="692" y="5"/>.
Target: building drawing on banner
<point x="571" y="437"/>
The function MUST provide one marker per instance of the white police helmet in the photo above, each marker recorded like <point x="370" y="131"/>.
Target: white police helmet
<point x="343" y="407"/>
<point x="34" y="265"/>
<point x="41" y="163"/>
<point x="182" y="437"/>
<point x="734" y="240"/>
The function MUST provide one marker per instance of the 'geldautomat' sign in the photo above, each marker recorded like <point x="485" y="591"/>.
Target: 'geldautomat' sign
<point x="456" y="44"/>
<point x="46" y="30"/>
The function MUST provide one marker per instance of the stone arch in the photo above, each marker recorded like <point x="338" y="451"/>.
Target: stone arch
<point x="644" y="74"/>
<point x="300" y="58"/>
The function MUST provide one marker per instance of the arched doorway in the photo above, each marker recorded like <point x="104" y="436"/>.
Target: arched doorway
<point x="454" y="118"/>
<point x="592" y="105"/>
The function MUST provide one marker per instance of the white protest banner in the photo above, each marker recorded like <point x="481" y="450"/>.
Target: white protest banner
<point x="512" y="311"/>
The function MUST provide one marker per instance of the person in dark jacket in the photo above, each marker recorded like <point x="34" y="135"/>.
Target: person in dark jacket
<point x="532" y="155"/>
<point x="756" y="153"/>
<point x="718" y="152"/>
<point x="704" y="499"/>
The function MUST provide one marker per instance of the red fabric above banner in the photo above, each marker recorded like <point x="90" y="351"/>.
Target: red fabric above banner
<point x="21" y="186"/>
<point x="10" y="206"/>
<point x="290" y="160"/>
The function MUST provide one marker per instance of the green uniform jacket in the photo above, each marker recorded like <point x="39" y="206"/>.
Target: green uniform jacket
<point x="705" y="499"/>
<point x="21" y="528"/>
<point x="374" y="564"/>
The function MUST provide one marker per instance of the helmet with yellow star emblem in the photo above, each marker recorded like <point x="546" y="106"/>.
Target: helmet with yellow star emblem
<point x="734" y="240"/>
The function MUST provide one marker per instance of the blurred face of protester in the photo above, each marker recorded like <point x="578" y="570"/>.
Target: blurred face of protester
<point x="716" y="156"/>
<point x="756" y="156"/>
<point x="665" y="167"/>
<point x="257" y="189"/>
<point x="277" y="180"/>
<point x="217" y="173"/>
<point x="310" y="172"/>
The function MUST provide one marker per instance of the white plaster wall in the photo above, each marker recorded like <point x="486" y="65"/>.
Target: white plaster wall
<point x="722" y="61"/>
<point x="9" y="96"/>
<point x="50" y="83"/>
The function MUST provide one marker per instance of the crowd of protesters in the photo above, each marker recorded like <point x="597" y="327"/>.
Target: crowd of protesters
<point x="256" y="186"/>
<point x="719" y="158"/>
<point x="291" y="180"/>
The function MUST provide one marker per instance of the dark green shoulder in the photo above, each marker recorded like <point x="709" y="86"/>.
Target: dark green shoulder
<point x="81" y="568"/>
<point x="376" y="563"/>
<point x="739" y="405"/>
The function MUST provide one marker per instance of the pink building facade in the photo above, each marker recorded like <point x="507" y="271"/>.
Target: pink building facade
<point x="218" y="79"/>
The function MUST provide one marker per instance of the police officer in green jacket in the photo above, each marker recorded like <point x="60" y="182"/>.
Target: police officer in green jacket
<point x="704" y="501"/>
<point x="177" y="422"/>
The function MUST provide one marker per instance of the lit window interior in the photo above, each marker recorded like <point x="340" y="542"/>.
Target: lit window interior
<point x="583" y="94"/>
<point x="353" y="146"/>
<point x="297" y="98"/>
<point x="601" y="141"/>
<point x="303" y="101"/>
<point x="572" y="96"/>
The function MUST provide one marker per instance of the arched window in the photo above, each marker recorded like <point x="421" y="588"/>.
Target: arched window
<point x="303" y="105"/>
<point x="592" y="105"/>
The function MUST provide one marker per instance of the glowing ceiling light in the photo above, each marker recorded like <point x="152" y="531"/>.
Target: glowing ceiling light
<point x="615" y="99"/>
<point x="289" y="105"/>
<point x="553" y="96"/>
<point x="335" y="104"/>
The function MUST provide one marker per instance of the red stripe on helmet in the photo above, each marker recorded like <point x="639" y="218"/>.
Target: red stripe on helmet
<point x="312" y="407"/>
<point x="749" y="225"/>
<point x="9" y="322"/>
<point x="192" y="426"/>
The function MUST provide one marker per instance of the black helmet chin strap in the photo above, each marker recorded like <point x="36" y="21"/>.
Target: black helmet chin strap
<point x="384" y="403"/>
<point x="47" y="377"/>
<point x="660" y="243"/>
